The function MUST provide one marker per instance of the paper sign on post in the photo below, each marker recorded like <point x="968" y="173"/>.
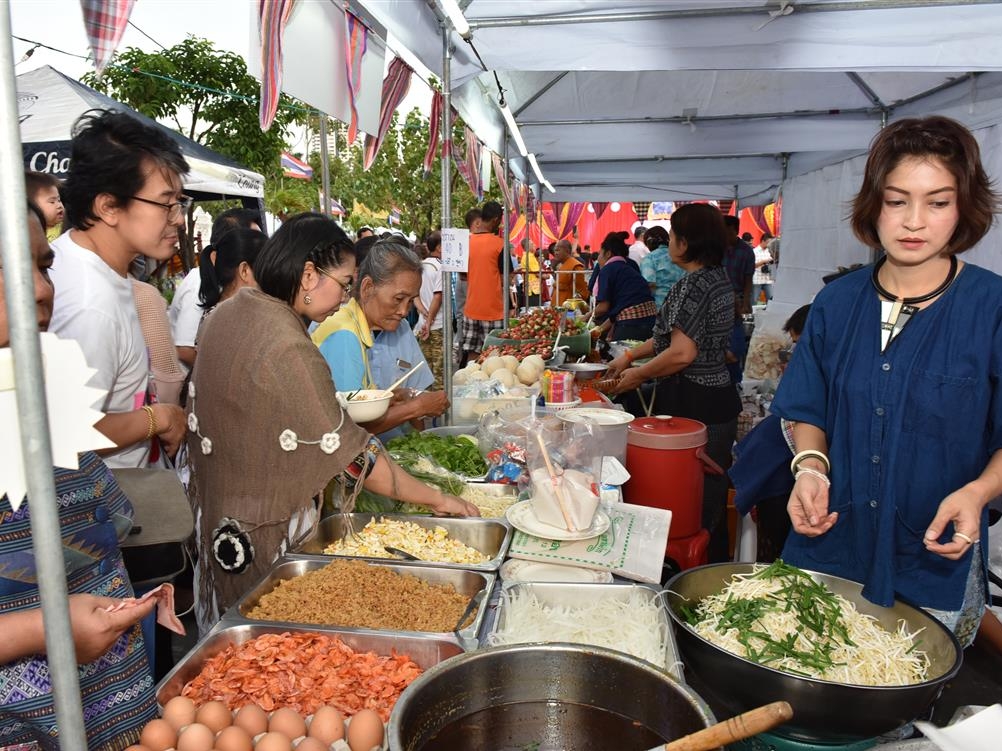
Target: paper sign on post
<point x="455" y="249"/>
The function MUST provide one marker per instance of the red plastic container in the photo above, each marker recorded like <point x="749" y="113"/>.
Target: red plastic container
<point x="666" y="460"/>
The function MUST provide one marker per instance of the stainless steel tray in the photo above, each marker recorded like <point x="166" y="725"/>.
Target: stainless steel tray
<point x="496" y="490"/>
<point x="472" y="584"/>
<point x="578" y="594"/>
<point x="426" y="651"/>
<point x="490" y="536"/>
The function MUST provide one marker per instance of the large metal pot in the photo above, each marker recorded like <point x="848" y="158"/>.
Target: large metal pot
<point x="547" y="697"/>
<point x="823" y="711"/>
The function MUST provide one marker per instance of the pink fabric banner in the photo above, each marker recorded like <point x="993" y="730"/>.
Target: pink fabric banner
<point x="273" y="15"/>
<point x="599" y="209"/>
<point x="356" y="38"/>
<point x="473" y="150"/>
<point x="561" y="217"/>
<point x="506" y="192"/>
<point x="105" y="22"/>
<point x="468" y="163"/>
<point x="434" y="126"/>
<point x="395" y="87"/>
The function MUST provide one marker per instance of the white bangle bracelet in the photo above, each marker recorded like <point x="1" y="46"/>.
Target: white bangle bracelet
<point x="814" y="473"/>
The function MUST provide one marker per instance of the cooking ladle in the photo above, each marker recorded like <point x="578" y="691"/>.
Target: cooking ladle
<point x="400" y="553"/>
<point x="744" y="725"/>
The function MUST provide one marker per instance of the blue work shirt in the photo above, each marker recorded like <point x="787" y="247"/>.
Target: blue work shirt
<point x="622" y="286"/>
<point x="391" y="355"/>
<point x="905" y="429"/>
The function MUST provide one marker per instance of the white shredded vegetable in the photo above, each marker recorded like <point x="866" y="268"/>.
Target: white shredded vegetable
<point x="490" y="506"/>
<point x="872" y="656"/>
<point x="635" y="625"/>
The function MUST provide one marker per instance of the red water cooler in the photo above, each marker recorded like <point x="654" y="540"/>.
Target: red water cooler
<point x="666" y="458"/>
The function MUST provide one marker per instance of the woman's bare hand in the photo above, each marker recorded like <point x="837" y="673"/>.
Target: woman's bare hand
<point x="808" y="507"/>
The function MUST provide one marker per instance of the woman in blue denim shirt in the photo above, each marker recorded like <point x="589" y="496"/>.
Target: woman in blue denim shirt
<point x="893" y="388"/>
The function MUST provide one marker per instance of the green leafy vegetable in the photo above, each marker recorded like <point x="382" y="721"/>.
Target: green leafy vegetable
<point x="454" y="453"/>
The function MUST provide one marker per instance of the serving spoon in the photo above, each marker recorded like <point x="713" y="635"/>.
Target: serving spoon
<point x="400" y="553"/>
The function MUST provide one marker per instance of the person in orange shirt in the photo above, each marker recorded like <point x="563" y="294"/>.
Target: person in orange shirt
<point x="568" y="284"/>
<point x="484" y="308"/>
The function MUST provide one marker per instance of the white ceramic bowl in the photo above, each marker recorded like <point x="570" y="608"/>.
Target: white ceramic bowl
<point x="366" y="405"/>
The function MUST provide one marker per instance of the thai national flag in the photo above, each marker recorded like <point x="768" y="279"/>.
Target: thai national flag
<point x="292" y="167"/>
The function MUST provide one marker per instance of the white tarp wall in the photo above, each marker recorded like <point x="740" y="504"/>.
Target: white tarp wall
<point x="817" y="238"/>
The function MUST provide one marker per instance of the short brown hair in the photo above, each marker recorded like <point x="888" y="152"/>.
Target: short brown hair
<point x="943" y="139"/>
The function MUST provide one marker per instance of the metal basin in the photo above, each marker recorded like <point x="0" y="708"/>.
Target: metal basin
<point x="584" y="371"/>
<point x="547" y="697"/>
<point x="426" y="651"/>
<point x="489" y="536"/>
<point x="823" y="711"/>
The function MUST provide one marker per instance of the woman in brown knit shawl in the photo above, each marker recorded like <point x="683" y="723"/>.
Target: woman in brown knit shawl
<point x="266" y="432"/>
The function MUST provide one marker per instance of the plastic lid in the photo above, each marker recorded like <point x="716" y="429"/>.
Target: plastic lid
<point x="596" y="415"/>
<point x="666" y="432"/>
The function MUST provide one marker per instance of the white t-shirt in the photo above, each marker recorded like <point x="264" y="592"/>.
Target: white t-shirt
<point x="95" y="306"/>
<point x="638" y="251"/>
<point x="431" y="282"/>
<point x="761" y="277"/>
<point x="184" y="312"/>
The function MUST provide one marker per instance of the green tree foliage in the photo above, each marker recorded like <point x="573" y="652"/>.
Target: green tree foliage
<point x="397" y="178"/>
<point x="208" y="95"/>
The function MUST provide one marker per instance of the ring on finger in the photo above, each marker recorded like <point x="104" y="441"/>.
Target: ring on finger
<point x="963" y="537"/>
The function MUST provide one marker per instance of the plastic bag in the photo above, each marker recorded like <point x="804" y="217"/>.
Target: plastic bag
<point x="565" y="469"/>
<point x="503" y="435"/>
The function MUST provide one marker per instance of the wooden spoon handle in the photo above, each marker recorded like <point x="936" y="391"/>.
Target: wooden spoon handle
<point x="738" y="728"/>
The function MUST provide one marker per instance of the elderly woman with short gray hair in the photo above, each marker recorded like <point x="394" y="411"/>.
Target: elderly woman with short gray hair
<point x="369" y="344"/>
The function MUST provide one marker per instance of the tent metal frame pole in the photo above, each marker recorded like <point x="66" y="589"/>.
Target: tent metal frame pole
<point x="449" y="276"/>
<point x="36" y="445"/>
<point x="686" y="120"/>
<point x="662" y="158"/>
<point x="532" y="100"/>
<point x="325" y="163"/>
<point x="659" y="15"/>
<point x="506" y="283"/>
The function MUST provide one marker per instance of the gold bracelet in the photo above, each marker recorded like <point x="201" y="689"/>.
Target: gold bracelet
<point x="809" y="454"/>
<point x="151" y="429"/>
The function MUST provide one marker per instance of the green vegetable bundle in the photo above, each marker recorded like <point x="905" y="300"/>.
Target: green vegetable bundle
<point x="455" y="453"/>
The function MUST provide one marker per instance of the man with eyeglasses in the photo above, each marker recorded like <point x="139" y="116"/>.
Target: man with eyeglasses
<point x="123" y="199"/>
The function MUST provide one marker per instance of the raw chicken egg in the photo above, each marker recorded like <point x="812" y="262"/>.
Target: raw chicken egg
<point x="365" y="731"/>
<point x="214" y="715"/>
<point x="273" y="742"/>
<point x="288" y="722"/>
<point x="252" y="718"/>
<point x="327" y="725"/>
<point x="179" y="711"/>
<point x="158" y="735"/>
<point x="196" y="737"/>
<point x="311" y="744"/>
<point x="234" y="739"/>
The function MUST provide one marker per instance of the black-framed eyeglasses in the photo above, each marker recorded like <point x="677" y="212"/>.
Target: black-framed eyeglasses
<point x="174" y="210"/>
<point x="346" y="288"/>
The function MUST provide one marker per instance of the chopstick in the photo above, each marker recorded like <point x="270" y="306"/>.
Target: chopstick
<point x="405" y="376"/>
<point x="557" y="489"/>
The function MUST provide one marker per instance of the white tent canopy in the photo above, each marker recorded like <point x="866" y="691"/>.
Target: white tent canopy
<point x="50" y="102"/>
<point x="666" y="99"/>
<point x="676" y="100"/>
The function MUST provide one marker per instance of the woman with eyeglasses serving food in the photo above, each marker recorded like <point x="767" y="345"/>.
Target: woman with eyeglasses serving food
<point x="368" y="344"/>
<point x="893" y="388"/>
<point x="266" y="431"/>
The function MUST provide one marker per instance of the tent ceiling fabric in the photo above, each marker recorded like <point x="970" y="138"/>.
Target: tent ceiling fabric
<point x="667" y="99"/>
